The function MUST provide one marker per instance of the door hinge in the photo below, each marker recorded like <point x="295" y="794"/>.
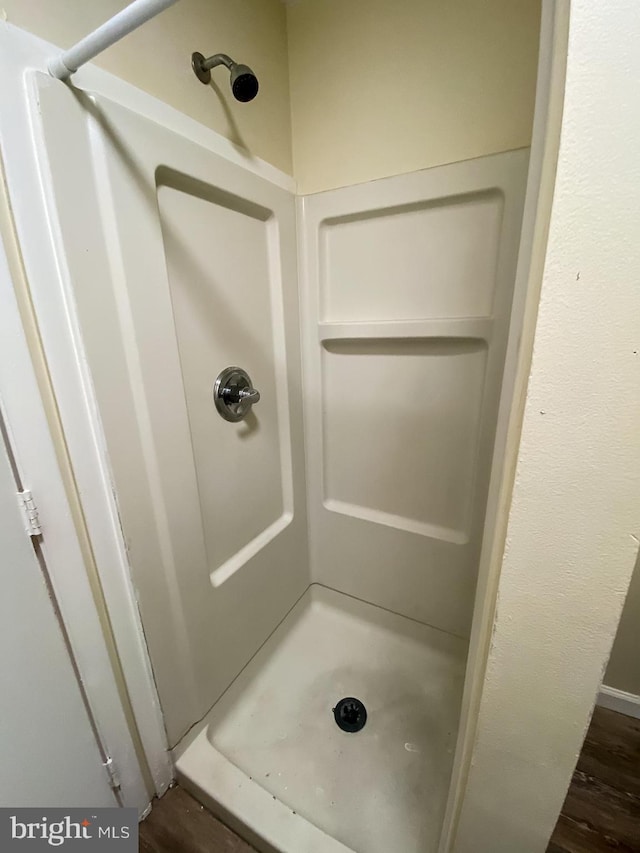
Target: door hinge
<point x="29" y="513"/>
<point x="112" y="773"/>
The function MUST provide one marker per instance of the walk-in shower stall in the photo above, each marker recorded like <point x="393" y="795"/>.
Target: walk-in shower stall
<point x="298" y="397"/>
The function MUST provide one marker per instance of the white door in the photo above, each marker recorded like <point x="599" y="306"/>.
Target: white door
<point x="49" y="755"/>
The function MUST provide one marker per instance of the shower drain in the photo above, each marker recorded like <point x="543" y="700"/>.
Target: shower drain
<point x="350" y="714"/>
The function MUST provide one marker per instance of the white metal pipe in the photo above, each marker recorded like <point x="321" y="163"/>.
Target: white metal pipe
<point x="131" y="17"/>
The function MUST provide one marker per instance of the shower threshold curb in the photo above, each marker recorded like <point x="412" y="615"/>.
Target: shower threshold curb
<point x="267" y="823"/>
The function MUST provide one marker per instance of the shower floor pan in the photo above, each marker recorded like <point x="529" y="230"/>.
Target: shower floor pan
<point x="271" y="761"/>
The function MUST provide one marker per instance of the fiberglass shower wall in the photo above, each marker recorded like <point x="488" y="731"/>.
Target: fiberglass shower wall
<point x="188" y="265"/>
<point x="407" y="288"/>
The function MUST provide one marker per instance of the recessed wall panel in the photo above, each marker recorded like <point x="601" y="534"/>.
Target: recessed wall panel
<point x="433" y="259"/>
<point x="401" y="423"/>
<point x="221" y="297"/>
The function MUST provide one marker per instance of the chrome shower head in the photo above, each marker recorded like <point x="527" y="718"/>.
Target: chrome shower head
<point x="244" y="83"/>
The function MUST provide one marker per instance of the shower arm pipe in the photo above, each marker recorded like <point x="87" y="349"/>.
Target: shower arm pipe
<point x="129" y="19"/>
<point x="215" y="60"/>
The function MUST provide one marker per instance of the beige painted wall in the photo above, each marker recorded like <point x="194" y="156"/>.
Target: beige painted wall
<point x="377" y="87"/>
<point x="381" y="87"/>
<point x="157" y="58"/>
<point x="623" y="671"/>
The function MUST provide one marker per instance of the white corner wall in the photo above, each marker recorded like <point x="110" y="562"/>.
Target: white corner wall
<point x="381" y="88"/>
<point x="575" y="514"/>
<point x="157" y="59"/>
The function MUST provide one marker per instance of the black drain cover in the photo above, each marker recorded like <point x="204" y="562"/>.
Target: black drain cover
<point x="350" y="714"/>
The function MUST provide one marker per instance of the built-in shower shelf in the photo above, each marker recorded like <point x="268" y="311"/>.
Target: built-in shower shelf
<point x="469" y="328"/>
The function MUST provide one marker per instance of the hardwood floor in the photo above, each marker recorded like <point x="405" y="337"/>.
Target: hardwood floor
<point x="179" y="824"/>
<point x="601" y="813"/>
<point x="602" y="810"/>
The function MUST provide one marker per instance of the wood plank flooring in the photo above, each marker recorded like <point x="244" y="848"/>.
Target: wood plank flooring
<point x="601" y="813"/>
<point x="179" y="824"/>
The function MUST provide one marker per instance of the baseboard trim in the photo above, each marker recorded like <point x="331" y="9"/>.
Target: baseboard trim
<point x="619" y="700"/>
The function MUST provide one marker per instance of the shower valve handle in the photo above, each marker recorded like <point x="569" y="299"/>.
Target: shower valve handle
<point x="240" y="395"/>
<point x="234" y="394"/>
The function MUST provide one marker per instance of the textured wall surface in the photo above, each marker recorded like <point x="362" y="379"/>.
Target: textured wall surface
<point x="575" y="515"/>
<point x="157" y="58"/>
<point x="380" y="88"/>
